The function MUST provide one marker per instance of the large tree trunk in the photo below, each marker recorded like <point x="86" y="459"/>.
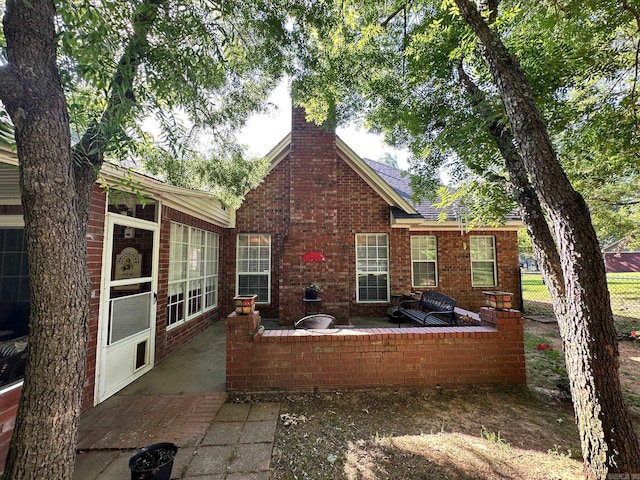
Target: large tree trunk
<point x="520" y="187"/>
<point x="609" y="443"/>
<point x="44" y="439"/>
<point x="56" y="186"/>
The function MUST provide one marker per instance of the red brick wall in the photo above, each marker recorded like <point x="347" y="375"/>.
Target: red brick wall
<point x="312" y="200"/>
<point x="95" y="243"/>
<point x="454" y="265"/>
<point x="169" y="340"/>
<point x="313" y="223"/>
<point x="264" y="210"/>
<point x="368" y="358"/>
<point x="8" y="410"/>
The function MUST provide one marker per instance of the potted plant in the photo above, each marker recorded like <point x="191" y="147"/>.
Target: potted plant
<point x="311" y="291"/>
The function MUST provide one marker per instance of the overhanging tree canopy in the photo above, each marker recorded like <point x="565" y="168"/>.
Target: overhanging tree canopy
<point x="456" y="84"/>
<point x="76" y="80"/>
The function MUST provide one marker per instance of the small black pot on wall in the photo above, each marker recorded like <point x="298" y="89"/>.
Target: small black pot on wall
<point x="310" y="294"/>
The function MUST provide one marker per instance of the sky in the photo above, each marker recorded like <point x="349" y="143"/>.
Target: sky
<point x="263" y="132"/>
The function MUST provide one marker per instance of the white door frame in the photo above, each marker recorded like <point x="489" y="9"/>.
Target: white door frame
<point x="112" y="219"/>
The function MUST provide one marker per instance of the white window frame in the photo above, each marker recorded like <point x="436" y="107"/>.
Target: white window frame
<point x="374" y="264"/>
<point x="419" y="245"/>
<point x="257" y="255"/>
<point x="199" y="263"/>
<point x="484" y="253"/>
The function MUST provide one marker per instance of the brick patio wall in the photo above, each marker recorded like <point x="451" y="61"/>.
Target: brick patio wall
<point x="307" y="360"/>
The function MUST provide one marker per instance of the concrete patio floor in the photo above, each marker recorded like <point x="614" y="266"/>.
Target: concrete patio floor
<point x="182" y="401"/>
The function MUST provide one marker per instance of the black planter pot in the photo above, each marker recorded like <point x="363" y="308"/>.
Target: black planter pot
<point x="310" y="294"/>
<point x="153" y="462"/>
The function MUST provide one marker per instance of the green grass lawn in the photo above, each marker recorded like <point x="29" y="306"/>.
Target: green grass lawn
<point x="624" y="289"/>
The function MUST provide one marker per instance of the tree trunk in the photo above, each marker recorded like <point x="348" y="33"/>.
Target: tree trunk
<point x="531" y="211"/>
<point x="44" y="439"/>
<point x="609" y="443"/>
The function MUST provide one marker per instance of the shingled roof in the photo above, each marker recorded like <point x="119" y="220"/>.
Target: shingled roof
<point x="394" y="177"/>
<point x="393" y="187"/>
<point x="400" y="184"/>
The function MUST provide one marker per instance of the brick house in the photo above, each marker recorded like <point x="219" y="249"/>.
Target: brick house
<point x="162" y="271"/>
<point x="319" y="196"/>
<point x="154" y="272"/>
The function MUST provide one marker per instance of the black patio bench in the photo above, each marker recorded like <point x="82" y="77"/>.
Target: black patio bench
<point x="435" y="309"/>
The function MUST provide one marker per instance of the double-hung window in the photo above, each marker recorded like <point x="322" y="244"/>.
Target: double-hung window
<point x="193" y="273"/>
<point x="424" y="264"/>
<point x="372" y="267"/>
<point x="254" y="266"/>
<point x="483" y="261"/>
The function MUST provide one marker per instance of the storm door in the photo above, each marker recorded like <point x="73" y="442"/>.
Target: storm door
<point x="127" y="326"/>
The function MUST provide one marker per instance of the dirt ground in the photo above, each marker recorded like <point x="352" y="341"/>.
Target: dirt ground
<point x="434" y="433"/>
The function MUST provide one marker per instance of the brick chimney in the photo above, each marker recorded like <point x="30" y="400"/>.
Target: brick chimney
<point x="313" y="224"/>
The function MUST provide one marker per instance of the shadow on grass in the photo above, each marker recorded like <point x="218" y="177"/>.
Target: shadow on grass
<point x="454" y="456"/>
<point x="432" y="433"/>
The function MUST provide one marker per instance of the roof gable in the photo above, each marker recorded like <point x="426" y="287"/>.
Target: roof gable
<point x="393" y="187"/>
<point x="392" y="197"/>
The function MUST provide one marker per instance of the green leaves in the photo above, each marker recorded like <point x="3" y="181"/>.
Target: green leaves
<point x="215" y="63"/>
<point x="224" y="171"/>
<point x="397" y="68"/>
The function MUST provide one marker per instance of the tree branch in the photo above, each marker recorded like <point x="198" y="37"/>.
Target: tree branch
<point x="90" y="149"/>
<point x="385" y="22"/>
<point x="616" y="204"/>
<point x="634" y="11"/>
<point x="88" y="153"/>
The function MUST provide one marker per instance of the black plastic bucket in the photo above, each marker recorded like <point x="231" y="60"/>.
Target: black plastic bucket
<point x="153" y="462"/>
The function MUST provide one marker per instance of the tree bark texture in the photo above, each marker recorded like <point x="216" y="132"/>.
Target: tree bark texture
<point x="520" y="187"/>
<point x="44" y="439"/>
<point x="609" y="443"/>
<point x="56" y="185"/>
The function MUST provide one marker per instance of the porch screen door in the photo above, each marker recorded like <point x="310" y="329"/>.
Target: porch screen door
<point x="128" y="315"/>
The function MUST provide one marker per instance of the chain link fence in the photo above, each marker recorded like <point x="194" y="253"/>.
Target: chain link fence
<point x="624" y="289"/>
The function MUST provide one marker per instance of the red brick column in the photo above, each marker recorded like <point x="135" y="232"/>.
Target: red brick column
<point x="313" y="223"/>
<point x="240" y="347"/>
<point x="509" y="324"/>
